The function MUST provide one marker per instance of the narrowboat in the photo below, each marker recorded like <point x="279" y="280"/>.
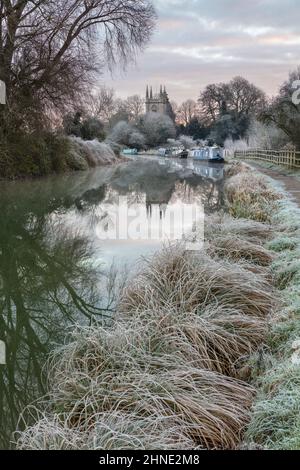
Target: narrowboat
<point x="207" y="154"/>
<point x="130" y="152"/>
<point x="172" y="152"/>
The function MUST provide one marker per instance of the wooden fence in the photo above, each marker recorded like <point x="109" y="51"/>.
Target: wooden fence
<point x="289" y="158"/>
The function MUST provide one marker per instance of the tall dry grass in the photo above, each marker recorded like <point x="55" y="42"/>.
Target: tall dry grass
<point x="93" y="388"/>
<point x="235" y="168"/>
<point x="250" y="196"/>
<point x="188" y="281"/>
<point x="222" y="225"/>
<point x="236" y="248"/>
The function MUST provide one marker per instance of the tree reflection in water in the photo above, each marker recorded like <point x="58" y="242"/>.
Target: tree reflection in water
<point x="46" y="284"/>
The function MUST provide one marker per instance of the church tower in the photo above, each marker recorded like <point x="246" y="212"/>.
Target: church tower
<point x="158" y="102"/>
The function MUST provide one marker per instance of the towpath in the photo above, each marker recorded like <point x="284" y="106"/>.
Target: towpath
<point x="291" y="183"/>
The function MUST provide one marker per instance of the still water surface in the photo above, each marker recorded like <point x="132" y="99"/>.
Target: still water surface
<point x="56" y="266"/>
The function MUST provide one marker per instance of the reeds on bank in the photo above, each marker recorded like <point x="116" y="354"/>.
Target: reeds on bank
<point x="171" y="371"/>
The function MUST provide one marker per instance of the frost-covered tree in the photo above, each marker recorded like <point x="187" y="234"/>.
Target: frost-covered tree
<point x="173" y="143"/>
<point x="51" y="55"/>
<point x="284" y="110"/>
<point x="235" y="145"/>
<point x="187" y="141"/>
<point x="121" y="133"/>
<point x="137" y="140"/>
<point x="124" y="133"/>
<point x="266" y="136"/>
<point x="157" y="128"/>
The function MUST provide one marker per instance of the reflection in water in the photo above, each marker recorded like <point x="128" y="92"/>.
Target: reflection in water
<point x="51" y="261"/>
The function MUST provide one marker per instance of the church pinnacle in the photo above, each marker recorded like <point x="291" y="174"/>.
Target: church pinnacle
<point x="158" y="102"/>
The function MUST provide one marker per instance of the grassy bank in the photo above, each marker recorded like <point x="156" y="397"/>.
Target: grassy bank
<point x="275" y="422"/>
<point x="197" y="355"/>
<point x="275" y="416"/>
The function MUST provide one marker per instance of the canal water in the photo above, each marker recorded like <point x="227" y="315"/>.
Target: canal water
<point x="63" y="258"/>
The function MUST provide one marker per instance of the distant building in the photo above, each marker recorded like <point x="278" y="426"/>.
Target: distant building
<point x="159" y="102"/>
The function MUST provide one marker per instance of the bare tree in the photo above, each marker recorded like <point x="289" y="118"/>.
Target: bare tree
<point x="50" y="50"/>
<point x="244" y="98"/>
<point x="174" y="107"/>
<point x="211" y="101"/>
<point x="238" y="97"/>
<point x="187" y="111"/>
<point x="135" y="105"/>
<point x="121" y="112"/>
<point x="102" y="104"/>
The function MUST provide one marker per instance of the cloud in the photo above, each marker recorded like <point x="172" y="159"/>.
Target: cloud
<point x="199" y="42"/>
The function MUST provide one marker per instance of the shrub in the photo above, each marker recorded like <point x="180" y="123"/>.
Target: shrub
<point x="124" y="133"/>
<point x="93" y="152"/>
<point x="59" y="148"/>
<point x="92" y="128"/>
<point x="37" y="154"/>
<point x="89" y="128"/>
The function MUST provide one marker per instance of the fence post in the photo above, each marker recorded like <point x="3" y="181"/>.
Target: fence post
<point x="293" y="159"/>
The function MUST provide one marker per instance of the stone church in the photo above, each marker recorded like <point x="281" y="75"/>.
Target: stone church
<point x="159" y="102"/>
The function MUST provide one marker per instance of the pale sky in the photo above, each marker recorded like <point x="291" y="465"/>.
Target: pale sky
<point x="197" y="42"/>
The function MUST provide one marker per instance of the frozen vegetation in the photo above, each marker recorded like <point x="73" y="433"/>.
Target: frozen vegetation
<point x="203" y="352"/>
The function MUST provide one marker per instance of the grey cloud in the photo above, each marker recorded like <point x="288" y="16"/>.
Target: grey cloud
<point x="199" y="41"/>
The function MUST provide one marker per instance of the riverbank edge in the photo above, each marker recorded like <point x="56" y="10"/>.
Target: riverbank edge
<point x="275" y="421"/>
<point x="277" y="350"/>
<point x="71" y="155"/>
<point x="120" y="159"/>
<point x="275" y="417"/>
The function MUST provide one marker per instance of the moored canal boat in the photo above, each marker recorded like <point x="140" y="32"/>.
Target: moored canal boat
<point x="130" y="152"/>
<point x="207" y="154"/>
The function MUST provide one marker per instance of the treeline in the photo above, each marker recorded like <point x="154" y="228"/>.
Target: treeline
<point x="236" y="114"/>
<point x="225" y="110"/>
